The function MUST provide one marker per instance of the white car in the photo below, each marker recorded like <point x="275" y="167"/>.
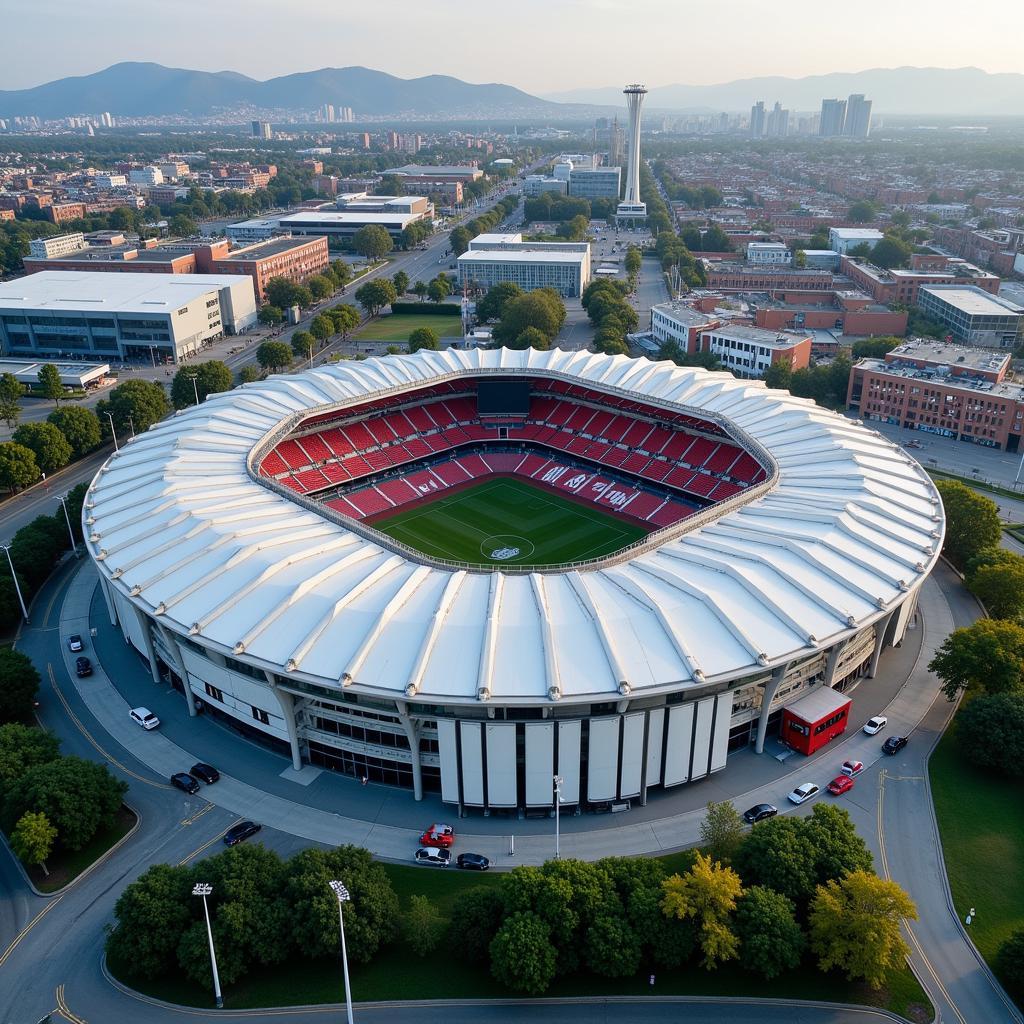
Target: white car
<point x="144" y="717"/>
<point x="852" y="768"/>
<point x="438" y="857"/>
<point x="876" y="724"/>
<point x="803" y="793"/>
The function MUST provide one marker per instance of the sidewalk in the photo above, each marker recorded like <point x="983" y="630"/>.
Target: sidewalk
<point x="633" y="837"/>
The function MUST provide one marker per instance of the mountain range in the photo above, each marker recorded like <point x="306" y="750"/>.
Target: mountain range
<point x="957" y="92"/>
<point x="135" y="89"/>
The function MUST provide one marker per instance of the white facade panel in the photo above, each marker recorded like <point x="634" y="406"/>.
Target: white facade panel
<point x="631" y="768"/>
<point x="655" y="744"/>
<point x="603" y="759"/>
<point x="449" y="757"/>
<point x="471" y="737"/>
<point x="720" y="741"/>
<point x="501" y="765"/>
<point x="569" y="760"/>
<point x="702" y="738"/>
<point x="677" y="744"/>
<point x="129" y="622"/>
<point x="540" y="763"/>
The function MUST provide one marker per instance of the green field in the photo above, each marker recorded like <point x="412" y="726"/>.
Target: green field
<point x="509" y="522"/>
<point x="398" y="326"/>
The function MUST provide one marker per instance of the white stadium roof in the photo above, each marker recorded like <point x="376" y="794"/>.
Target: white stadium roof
<point x="847" y="526"/>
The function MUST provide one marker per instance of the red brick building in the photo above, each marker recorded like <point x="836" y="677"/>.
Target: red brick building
<point x="741" y="277"/>
<point x="291" y="258"/>
<point x="889" y="286"/>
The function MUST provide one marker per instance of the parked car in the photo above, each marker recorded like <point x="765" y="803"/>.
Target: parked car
<point x="206" y="773"/>
<point x="759" y="812"/>
<point x="144" y="717"/>
<point x="472" y="862"/>
<point x="852" y="768"/>
<point x="75" y="643"/>
<point x="438" y="835"/>
<point x="83" y="667"/>
<point x="840" y="785"/>
<point x="876" y="724"/>
<point x="434" y="855"/>
<point x="242" y="830"/>
<point x="803" y="792"/>
<point x="184" y="781"/>
<point x="894" y="744"/>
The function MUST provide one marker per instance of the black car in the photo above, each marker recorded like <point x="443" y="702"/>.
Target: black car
<point x="83" y="667"/>
<point x="241" y="831"/>
<point x="759" y="812"/>
<point x="205" y="773"/>
<point x="472" y="861"/>
<point x="185" y="781"/>
<point x="894" y="744"/>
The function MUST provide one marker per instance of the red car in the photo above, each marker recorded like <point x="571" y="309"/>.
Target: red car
<point x="438" y="835"/>
<point x="840" y="785"/>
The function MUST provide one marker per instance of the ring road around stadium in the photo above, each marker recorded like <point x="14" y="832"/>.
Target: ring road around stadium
<point x="466" y="572"/>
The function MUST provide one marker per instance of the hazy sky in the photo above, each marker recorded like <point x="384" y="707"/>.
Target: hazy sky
<point x="538" y="45"/>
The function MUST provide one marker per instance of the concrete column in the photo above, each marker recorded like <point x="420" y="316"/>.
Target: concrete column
<point x="171" y="643"/>
<point x="881" y="628"/>
<point x="412" y="733"/>
<point x="148" y="639"/>
<point x="111" y="611"/>
<point x="287" y="702"/>
<point x="832" y="662"/>
<point x="770" y="689"/>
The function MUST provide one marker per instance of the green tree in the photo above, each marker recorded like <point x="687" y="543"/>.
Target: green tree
<point x="522" y="955"/>
<point x="460" y="239"/>
<point x="988" y="654"/>
<point x="182" y="226"/>
<point x="80" y="427"/>
<point x="322" y="327"/>
<point x="542" y="308"/>
<point x="32" y="839"/>
<point x="401" y="282"/>
<point x="374" y="295"/>
<point x="972" y="522"/>
<point x="11" y="391"/>
<point x="283" y="293"/>
<point x="862" y="211"/>
<point x="342" y="272"/>
<point x="79" y="797"/>
<point x="23" y="747"/>
<point x="838" y="849"/>
<point x="1000" y="587"/>
<point x="799" y="260"/>
<point x="138" y="403"/>
<point x="721" y="831"/>
<point x="770" y="939"/>
<point x="50" y="385"/>
<point x="211" y="378"/>
<point x="874" y="348"/>
<point x="633" y="260"/>
<point x="47" y="443"/>
<point x="346" y="319"/>
<point x="531" y="337"/>
<point x="476" y="918"/>
<point x="780" y="374"/>
<point x="19" y="684"/>
<point x="274" y="355"/>
<point x="855" y="926"/>
<point x="372" y="242"/>
<point x="420" y="289"/>
<point x="492" y="305"/>
<point x="423" y="337"/>
<point x="778" y="854"/>
<point x="320" y="287"/>
<point x="613" y="947"/>
<point x="707" y="893"/>
<point x="439" y="289"/>
<point x="891" y="252"/>
<point x="1010" y="965"/>
<point x="270" y="315"/>
<point x="423" y="926"/>
<point x="303" y="344"/>
<point x="250" y="373"/>
<point x="990" y="732"/>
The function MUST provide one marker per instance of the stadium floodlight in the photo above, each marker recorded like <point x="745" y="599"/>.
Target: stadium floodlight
<point x="204" y="889"/>
<point x="344" y="897"/>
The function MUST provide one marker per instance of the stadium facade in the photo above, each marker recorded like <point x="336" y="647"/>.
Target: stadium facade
<point x="235" y="550"/>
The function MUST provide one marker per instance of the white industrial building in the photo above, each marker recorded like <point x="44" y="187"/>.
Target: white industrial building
<point x="769" y="253"/>
<point x="103" y="316"/>
<point x="973" y="315"/>
<point x="57" y="245"/>
<point x="842" y="240"/>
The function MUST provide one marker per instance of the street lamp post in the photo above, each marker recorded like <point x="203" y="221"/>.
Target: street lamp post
<point x="204" y="889"/>
<point x="343" y="897"/>
<point x="71" y="533"/>
<point x="14" y="576"/>
<point x="195" y="387"/>
<point x="557" y="779"/>
<point x="113" y="432"/>
<point x="131" y="424"/>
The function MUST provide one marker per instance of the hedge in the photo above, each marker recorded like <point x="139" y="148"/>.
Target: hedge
<point x="428" y="308"/>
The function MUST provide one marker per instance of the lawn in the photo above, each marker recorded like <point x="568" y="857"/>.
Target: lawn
<point x="65" y="866"/>
<point x="981" y="822"/>
<point x="509" y="522"/>
<point x="398" y="326"/>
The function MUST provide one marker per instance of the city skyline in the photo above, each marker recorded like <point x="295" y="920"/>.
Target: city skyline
<point x="250" y="45"/>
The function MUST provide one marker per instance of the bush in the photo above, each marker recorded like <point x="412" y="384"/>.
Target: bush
<point x="476" y="918"/>
<point x="1010" y="965"/>
<point x="19" y="683"/>
<point x="423" y="927"/>
<point x="522" y="956"/>
<point x="990" y="731"/>
<point x="428" y="309"/>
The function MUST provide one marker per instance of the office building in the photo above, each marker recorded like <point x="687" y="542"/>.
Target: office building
<point x="535" y="184"/>
<point x="57" y="245"/>
<point x="595" y="182"/>
<point x="858" y="117"/>
<point x="108" y="181"/>
<point x="750" y="351"/>
<point x="680" y="322"/>
<point x="145" y="176"/>
<point x="261" y="130"/>
<point x="294" y="259"/>
<point x="776" y="253"/>
<point x="439" y="172"/>
<point x="494" y="259"/>
<point x="757" y="120"/>
<point x="833" y="118"/>
<point x="973" y="315"/>
<point x="777" y="124"/>
<point x="842" y="240"/>
<point x="902" y="285"/>
<point x="127" y="316"/>
<point x="730" y="276"/>
<point x="106" y="120"/>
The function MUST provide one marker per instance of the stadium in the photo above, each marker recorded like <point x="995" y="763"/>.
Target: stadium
<point x="464" y="572"/>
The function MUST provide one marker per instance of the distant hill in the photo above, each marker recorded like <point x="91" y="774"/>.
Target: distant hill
<point x="142" y="89"/>
<point x="957" y="92"/>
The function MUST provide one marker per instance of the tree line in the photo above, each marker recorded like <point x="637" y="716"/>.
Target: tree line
<point x="461" y="236"/>
<point x="612" y="316"/>
<point x="524" y="319"/>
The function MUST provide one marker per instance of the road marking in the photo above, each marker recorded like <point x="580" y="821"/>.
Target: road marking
<point x="882" y="776"/>
<point x="15" y="942"/>
<point x="85" y="732"/>
<point x="62" y="1008"/>
<point x="193" y="818"/>
<point x="209" y="843"/>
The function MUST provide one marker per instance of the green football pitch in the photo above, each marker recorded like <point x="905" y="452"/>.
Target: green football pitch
<point x="509" y="522"/>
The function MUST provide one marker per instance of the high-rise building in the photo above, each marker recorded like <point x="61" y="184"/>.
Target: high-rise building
<point x="757" y="120"/>
<point x="106" y="120"/>
<point x="327" y="112"/>
<point x="858" y="117"/>
<point x="632" y="207"/>
<point x="833" y="118"/>
<point x="261" y="130"/>
<point x="777" y="126"/>
<point x="616" y="144"/>
<point x="347" y="117"/>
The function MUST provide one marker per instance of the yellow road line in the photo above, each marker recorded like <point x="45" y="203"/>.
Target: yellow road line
<point x="209" y="843"/>
<point x="16" y="941"/>
<point x="62" y="1008"/>
<point x="198" y="814"/>
<point x="85" y="732"/>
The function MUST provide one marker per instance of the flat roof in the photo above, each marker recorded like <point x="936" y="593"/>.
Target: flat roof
<point x="113" y="254"/>
<point x="271" y="247"/>
<point x="943" y="354"/>
<point x="342" y="217"/>
<point x="760" y="336"/>
<point x="973" y="301"/>
<point x="522" y="256"/>
<point x="425" y="169"/>
<point x="497" y="238"/>
<point x="856" y="232"/>
<point x="100" y="292"/>
<point x="686" y="316"/>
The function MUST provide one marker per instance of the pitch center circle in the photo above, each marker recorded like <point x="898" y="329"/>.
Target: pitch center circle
<point x="506" y="547"/>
